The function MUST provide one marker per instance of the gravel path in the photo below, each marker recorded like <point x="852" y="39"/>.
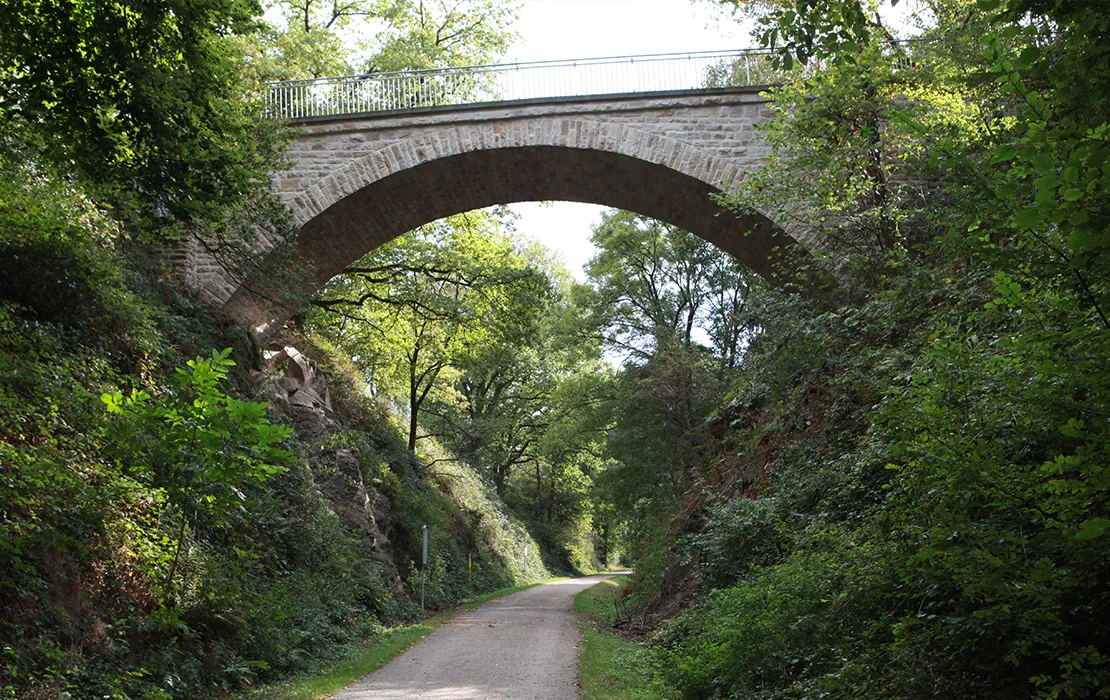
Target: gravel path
<point x="520" y="647"/>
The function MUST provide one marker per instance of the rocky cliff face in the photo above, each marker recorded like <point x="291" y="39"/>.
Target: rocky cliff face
<point x="381" y="492"/>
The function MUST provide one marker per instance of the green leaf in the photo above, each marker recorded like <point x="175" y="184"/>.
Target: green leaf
<point x="1029" y="218"/>
<point x="1043" y="163"/>
<point x="1028" y="57"/>
<point x="1047" y="183"/>
<point x="113" y="401"/>
<point x="1073" y="428"/>
<point x="1090" y="529"/>
<point x="1004" y="153"/>
<point x="1080" y="240"/>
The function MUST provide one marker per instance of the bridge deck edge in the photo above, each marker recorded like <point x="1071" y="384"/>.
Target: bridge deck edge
<point x="535" y="101"/>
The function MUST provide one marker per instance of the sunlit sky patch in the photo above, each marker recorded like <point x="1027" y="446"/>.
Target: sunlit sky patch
<point x="560" y="29"/>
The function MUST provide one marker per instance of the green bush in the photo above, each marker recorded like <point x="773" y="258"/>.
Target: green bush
<point x="208" y="452"/>
<point x="789" y="626"/>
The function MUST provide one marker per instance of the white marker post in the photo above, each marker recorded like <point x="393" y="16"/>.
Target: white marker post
<point x="423" y="565"/>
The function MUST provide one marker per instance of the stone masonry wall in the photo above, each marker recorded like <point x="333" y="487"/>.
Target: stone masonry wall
<point x="357" y="181"/>
<point x="720" y="124"/>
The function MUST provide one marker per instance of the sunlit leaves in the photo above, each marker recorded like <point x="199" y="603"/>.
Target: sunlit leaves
<point x="416" y="310"/>
<point x="438" y="34"/>
<point x="652" y="282"/>
<point x="321" y="38"/>
<point x="142" y="101"/>
<point x="802" y="30"/>
<point x="204" y="449"/>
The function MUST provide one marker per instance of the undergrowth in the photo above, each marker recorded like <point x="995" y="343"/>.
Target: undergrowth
<point x="119" y="575"/>
<point x="610" y="666"/>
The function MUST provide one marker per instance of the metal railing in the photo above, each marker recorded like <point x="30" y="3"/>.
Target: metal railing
<point x="415" y="89"/>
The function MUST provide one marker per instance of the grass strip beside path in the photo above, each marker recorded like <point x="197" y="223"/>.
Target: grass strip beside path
<point x="376" y="653"/>
<point x="611" y="668"/>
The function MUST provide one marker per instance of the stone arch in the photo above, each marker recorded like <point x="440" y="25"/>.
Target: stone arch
<point x="447" y="169"/>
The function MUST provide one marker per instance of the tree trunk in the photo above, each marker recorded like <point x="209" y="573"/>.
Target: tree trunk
<point x="414" y="401"/>
<point x="499" y="482"/>
<point x="539" y="489"/>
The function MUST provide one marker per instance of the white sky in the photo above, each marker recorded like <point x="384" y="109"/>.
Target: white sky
<point x="560" y="29"/>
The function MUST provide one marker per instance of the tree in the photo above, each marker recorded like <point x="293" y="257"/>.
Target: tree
<point x="799" y="31"/>
<point x="466" y="328"/>
<point x="838" y="164"/>
<point x="313" y="40"/>
<point x="504" y="387"/>
<point x="143" y="102"/>
<point x="558" y="490"/>
<point x="310" y="15"/>
<point x="507" y="385"/>
<point x="653" y="282"/>
<point x="435" y="297"/>
<point x="323" y="38"/>
<point x="660" y="435"/>
<point x="293" y="53"/>
<point x="422" y="34"/>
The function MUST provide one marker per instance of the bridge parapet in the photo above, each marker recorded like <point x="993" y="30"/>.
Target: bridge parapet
<point x="299" y="100"/>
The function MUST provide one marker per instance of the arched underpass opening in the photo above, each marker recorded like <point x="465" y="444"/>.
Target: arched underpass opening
<point x="409" y="198"/>
<point x="500" y="386"/>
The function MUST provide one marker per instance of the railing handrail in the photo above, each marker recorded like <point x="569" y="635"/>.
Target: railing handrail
<point x="420" y="89"/>
<point x="495" y="67"/>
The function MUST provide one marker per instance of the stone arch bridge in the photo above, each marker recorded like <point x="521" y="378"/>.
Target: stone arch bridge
<point x="361" y="175"/>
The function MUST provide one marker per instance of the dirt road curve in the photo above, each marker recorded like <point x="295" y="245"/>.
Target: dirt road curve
<point x="520" y="647"/>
